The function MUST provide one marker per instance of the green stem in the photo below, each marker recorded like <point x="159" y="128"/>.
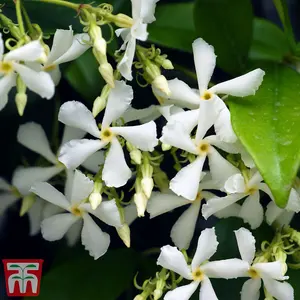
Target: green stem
<point x="62" y="3"/>
<point x="27" y="19"/>
<point x="19" y="17"/>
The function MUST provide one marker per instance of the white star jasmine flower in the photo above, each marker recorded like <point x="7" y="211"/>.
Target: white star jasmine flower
<point x="205" y="62"/>
<point x="10" y="66"/>
<point x="115" y="172"/>
<point x="74" y="202"/>
<point x="271" y="273"/>
<point x="186" y="182"/>
<point x="238" y="188"/>
<point x="142" y="14"/>
<point x="200" y="270"/>
<point x="66" y="47"/>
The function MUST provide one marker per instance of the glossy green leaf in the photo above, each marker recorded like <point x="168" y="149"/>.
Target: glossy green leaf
<point x="227" y="25"/>
<point x="84" y="77"/>
<point x="81" y="277"/>
<point x="269" y="42"/>
<point x="268" y="126"/>
<point x="174" y="26"/>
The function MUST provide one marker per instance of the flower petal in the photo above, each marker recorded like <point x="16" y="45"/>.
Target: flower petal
<point x="273" y="212"/>
<point x="188" y="119"/>
<point x="82" y="186"/>
<point x="130" y="213"/>
<point x="29" y="52"/>
<point x="205" y="62"/>
<point x="252" y="211"/>
<point x="183" y="292"/>
<point x="207" y="291"/>
<point x="144" y="115"/>
<point x="183" y="230"/>
<point x="6" y="83"/>
<point x="32" y="136"/>
<point x="72" y="133"/>
<point x="73" y="234"/>
<point x="38" y="82"/>
<point x="172" y="259"/>
<point x="55" y="227"/>
<point x="270" y="269"/>
<point x="186" y="181"/>
<point x="78" y="47"/>
<point x="148" y="10"/>
<point x="93" y="238"/>
<point x="207" y="246"/>
<point x="24" y="178"/>
<point x="293" y="202"/>
<point x="176" y="135"/>
<point x="1" y="47"/>
<point x="279" y="290"/>
<point x="93" y="162"/>
<point x="107" y="212"/>
<point x="141" y="136"/>
<point x="35" y="215"/>
<point x="250" y="289"/>
<point x="216" y="204"/>
<point x="75" y="152"/>
<point x="232" y="210"/>
<point x="235" y="184"/>
<point x="50" y="194"/>
<point x="55" y="75"/>
<point x="246" y="244"/>
<point x="255" y="179"/>
<point x="62" y="41"/>
<point x="227" y="268"/>
<point x="7" y="200"/>
<point x="241" y="86"/>
<point x="160" y="203"/>
<point x="118" y="102"/>
<point x="76" y="114"/>
<point x="4" y="185"/>
<point x="285" y="218"/>
<point x="115" y="173"/>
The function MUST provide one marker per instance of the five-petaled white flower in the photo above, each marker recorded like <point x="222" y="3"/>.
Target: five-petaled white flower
<point x="142" y="14"/>
<point x="200" y="270"/>
<point x="271" y="273"/>
<point x="66" y="47"/>
<point x="210" y="104"/>
<point x="76" y="192"/>
<point x="10" y="66"/>
<point x="115" y="172"/>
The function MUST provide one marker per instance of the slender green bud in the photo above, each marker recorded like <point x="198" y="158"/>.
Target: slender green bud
<point x="124" y="234"/>
<point x="27" y="203"/>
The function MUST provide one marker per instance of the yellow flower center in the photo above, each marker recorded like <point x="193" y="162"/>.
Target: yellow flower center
<point x="251" y="190"/>
<point x="198" y="197"/>
<point x="50" y="68"/>
<point x="206" y="95"/>
<point x="198" y="275"/>
<point x="6" y="67"/>
<point x="203" y="148"/>
<point x="253" y="273"/>
<point x="106" y="135"/>
<point x="76" y="211"/>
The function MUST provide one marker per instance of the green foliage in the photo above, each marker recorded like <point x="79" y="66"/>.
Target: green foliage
<point x="268" y="126"/>
<point x="227" y="25"/>
<point x="269" y="42"/>
<point x="176" y="32"/>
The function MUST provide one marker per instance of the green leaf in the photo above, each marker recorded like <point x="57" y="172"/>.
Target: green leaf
<point x="269" y="42"/>
<point x="174" y="26"/>
<point x="227" y="25"/>
<point x="84" y="77"/>
<point x="84" y="278"/>
<point x="268" y="126"/>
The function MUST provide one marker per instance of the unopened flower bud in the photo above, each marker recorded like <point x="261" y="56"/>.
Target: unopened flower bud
<point x="99" y="105"/>
<point x="124" y="234"/>
<point x="123" y="21"/>
<point x="107" y="73"/>
<point x="27" y="203"/>
<point x="147" y="186"/>
<point x="139" y="297"/>
<point x="136" y="156"/>
<point x="21" y="101"/>
<point x="95" y="199"/>
<point x="165" y="147"/>
<point x="100" y="45"/>
<point x="157" y="294"/>
<point x="160" y="82"/>
<point x="140" y="201"/>
<point x="167" y="65"/>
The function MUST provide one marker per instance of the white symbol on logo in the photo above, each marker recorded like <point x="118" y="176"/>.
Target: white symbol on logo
<point x="22" y="277"/>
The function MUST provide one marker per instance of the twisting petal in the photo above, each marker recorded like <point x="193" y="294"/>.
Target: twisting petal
<point x="189" y="119"/>
<point x="206" y="248"/>
<point x="227" y="147"/>
<point x="273" y="270"/>
<point x="50" y="194"/>
<point x="24" y="178"/>
<point x="252" y="211"/>
<point x="62" y="41"/>
<point x="250" y="289"/>
<point x="78" y="47"/>
<point x="72" y="133"/>
<point x="82" y="186"/>
<point x="246" y="244"/>
<point x="32" y="136"/>
<point x="232" y="210"/>
<point x="184" y="292"/>
<point x="144" y="115"/>
<point x="183" y="230"/>
<point x="235" y="184"/>
<point x="38" y="82"/>
<point x="75" y="152"/>
<point x="6" y="83"/>
<point x="147" y="10"/>
<point x="279" y="290"/>
<point x="118" y="102"/>
<point x="172" y="259"/>
<point x="241" y="86"/>
<point x="207" y="291"/>
<point x="55" y="75"/>
<point x="186" y="181"/>
<point x="115" y="172"/>
<point x="76" y="114"/>
<point x="161" y="203"/>
<point x="29" y="52"/>
<point x="205" y="62"/>
<point x="93" y="238"/>
<point x="141" y="136"/>
<point x="55" y="227"/>
<point x="273" y="212"/>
